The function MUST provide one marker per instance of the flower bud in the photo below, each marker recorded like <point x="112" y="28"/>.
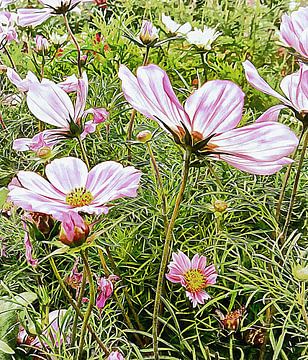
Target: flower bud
<point x="148" y="32"/>
<point x="115" y="355"/>
<point x="220" y="206"/>
<point x="44" y="152"/>
<point x="144" y="136"/>
<point x="74" y="231"/>
<point x="300" y="273"/>
<point x="41" y="43"/>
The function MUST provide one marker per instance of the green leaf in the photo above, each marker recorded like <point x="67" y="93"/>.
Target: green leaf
<point x="5" y="348"/>
<point x="3" y="196"/>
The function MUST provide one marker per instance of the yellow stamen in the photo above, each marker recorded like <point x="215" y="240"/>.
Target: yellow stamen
<point x="79" y="197"/>
<point x="195" y="280"/>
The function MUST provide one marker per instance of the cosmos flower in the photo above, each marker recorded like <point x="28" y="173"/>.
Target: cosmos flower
<point x="193" y="274"/>
<point x="294" y="31"/>
<point x="7" y="28"/>
<point x="105" y="290"/>
<point x="294" y="87"/>
<point x="115" y="355"/>
<point x="74" y="231"/>
<point x="49" y="103"/>
<point x="206" y="124"/>
<point x="36" y="16"/>
<point x="71" y="187"/>
<point x="175" y="28"/>
<point x="202" y="38"/>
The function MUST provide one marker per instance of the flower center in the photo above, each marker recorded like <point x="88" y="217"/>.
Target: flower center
<point x="79" y="197"/>
<point x="195" y="280"/>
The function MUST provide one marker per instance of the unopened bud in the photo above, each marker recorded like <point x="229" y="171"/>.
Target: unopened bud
<point x="144" y="136"/>
<point x="44" y="152"/>
<point x="148" y="32"/>
<point x="300" y="273"/>
<point x="220" y="206"/>
<point x="74" y="231"/>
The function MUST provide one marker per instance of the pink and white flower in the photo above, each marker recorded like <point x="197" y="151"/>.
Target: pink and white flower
<point x="148" y="32"/>
<point x="105" y="290"/>
<point x="207" y="122"/>
<point x="294" y="31"/>
<point x="293" y="86"/>
<point x="193" y="274"/>
<point x="175" y="28"/>
<point x="34" y="16"/>
<point x="7" y="28"/>
<point x="74" y="231"/>
<point x="71" y="187"/>
<point x="115" y="355"/>
<point x="100" y="115"/>
<point x="41" y="43"/>
<point x="49" y="103"/>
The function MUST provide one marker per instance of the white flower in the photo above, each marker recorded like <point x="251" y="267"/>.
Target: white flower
<point x="203" y="38"/>
<point x="175" y="28"/>
<point x="58" y="39"/>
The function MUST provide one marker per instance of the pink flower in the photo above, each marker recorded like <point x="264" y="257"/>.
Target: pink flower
<point x="71" y="187"/>
<point x="7" y="29"/>
<point x="294" y="31"/>
<point x="115" y="355"/>
<point x="105" y="290"/>
<point x="50" y="104"/>
<point x="193" y="274"/>
<point x="33" y="16"/>
<point x="206" y="123"/>
<point x="99" y="115"/>
<point x="28" y="245"/>
<point x="294" y="87"/>
<point x="41" y="144"/>
<point x="74" y="231"/>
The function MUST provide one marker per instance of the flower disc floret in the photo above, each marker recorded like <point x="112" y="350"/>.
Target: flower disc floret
<point x="79" y="197"/>
<point x="195" y="280"/>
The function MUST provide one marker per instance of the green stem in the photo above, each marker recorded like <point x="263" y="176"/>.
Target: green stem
<point x="88" y="313"/>
<point x="203" y="59"/>
<point x="303" y="303"/>
<point x="159" y="185"/>
<point x="73" y="304"/>
<point x="83" y="152"/>
<point x="9" y="56"/>
<point x="295" y="186"/>
<point x="166" y="251"/>
<point x="76" y="44"/>
<point x="286" y="178"/>
<point x="79" y="301"/>
<point x="134" y="112"/>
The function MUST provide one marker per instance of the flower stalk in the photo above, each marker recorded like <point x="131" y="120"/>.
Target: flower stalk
<point x="167" y="250"/>
<point x="83" y="152"/>
<point x="88" y="313"/>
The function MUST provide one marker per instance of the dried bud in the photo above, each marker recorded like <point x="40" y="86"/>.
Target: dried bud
<point x="74" y="231"/>
<point x="232" y="319"/>
<point x="255" y="336"/>
<point x="43" y="222"/>
<point x="220" y="206"/>
<point x="300" y="273"/>
<point x="148" y="32"/>
<point x="144" y="136"/>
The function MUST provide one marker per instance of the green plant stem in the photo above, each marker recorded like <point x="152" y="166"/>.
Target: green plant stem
<point x="79" y="301"/>
<point x="166" y="251"/>
<point x="76" y="44"/>
<point x="74" y="305"/>
<point x="159" y="185"/>
<point x="9" y="57"/>
<point x="83" y="152"/>
<point x="303" y="303"/>
<point x="88" y="313"/>
<point x="295" y="186"/>
<point x="203" y="59"/>
<point x="134" y="112"/>
<point x="286" y="178"/>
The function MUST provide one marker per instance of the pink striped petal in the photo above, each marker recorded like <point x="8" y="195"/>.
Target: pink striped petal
<point x="28" y="17"/>
<point x="216" y="107"/>
<point x="271" y="114"/>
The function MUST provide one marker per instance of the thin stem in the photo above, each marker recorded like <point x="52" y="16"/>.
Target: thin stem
<point x="76" y="44"/>
<point x="9" y="56"/>
<point x="88" y="313"/>
<point x="295" y="186"/>
<point x="159" y="185"/>
<point x="134" y="112"/>
<point x="203" y="59"/>
<point x="286" y="178"/>
<point x="73" y="304"/>
<point x="303" y="303"/>
<point x="83" y="152"/>
<point x="166" y="251"/>
<point x="79" y="301"/>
